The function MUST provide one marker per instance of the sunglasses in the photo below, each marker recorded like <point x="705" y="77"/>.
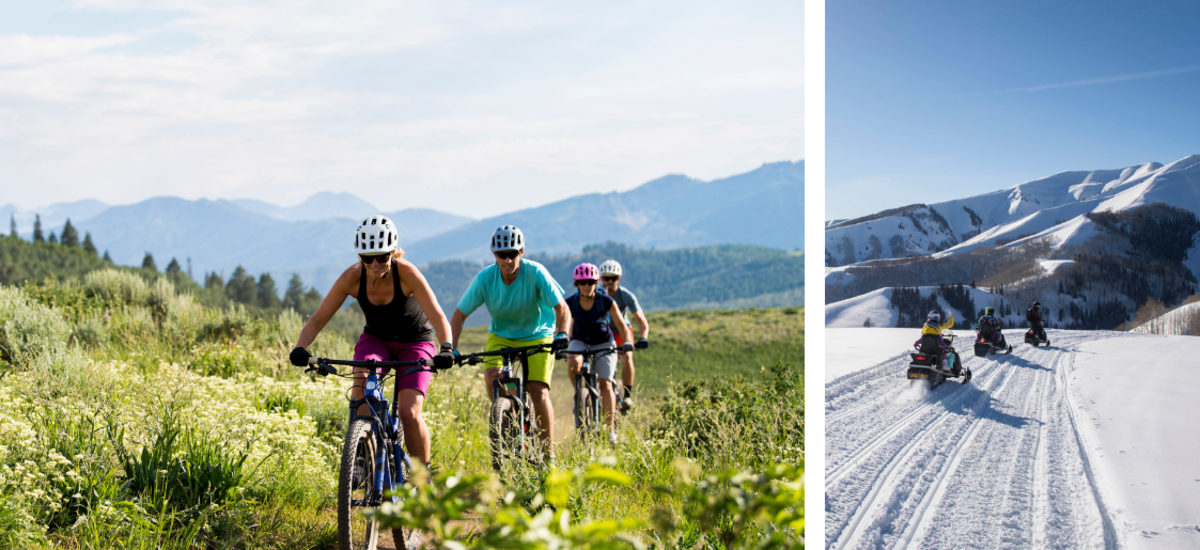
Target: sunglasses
<point x="585" y="282"/>
<point x="373" y="258"/>
<point x="507" y="254"/>
<point x="609" y="279"/>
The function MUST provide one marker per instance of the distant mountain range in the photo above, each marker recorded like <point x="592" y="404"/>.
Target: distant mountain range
<point x="1092" y="245"/>
<point x="763" y="207"/>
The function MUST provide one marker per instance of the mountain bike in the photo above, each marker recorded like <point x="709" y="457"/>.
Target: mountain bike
<point x="373" y="457"/>
<point x="588" y="409"/>
<point x="511" y="424"/>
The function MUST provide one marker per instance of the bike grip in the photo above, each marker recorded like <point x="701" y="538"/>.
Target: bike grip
<point x="313" y="360"/>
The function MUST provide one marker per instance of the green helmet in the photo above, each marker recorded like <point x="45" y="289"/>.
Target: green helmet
<point x="989" y="310"/>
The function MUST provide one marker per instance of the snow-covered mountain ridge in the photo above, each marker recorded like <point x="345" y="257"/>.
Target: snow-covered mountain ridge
<point x="1093" y="246"/>
<point x="1052" y="206"/>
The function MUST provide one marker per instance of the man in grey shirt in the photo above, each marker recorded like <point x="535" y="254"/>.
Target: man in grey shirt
<point x="626" y="302"/>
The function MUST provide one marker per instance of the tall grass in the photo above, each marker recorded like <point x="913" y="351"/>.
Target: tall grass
<point x="134" y="417"/>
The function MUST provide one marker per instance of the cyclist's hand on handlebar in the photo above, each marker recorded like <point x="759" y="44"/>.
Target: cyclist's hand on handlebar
<point x="299" y="357"/>
<point x="560" y="342"/>
<point x="445" y="358"/>
<point x="626" y="347"/>
<point x="642" y="343"/>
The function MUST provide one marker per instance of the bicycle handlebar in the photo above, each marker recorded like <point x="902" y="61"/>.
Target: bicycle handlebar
<point x="476" y="358"/>
<point x="324" y="366"/>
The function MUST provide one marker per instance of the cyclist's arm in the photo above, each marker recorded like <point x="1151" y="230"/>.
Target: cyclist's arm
<point x="643" y="325"/>
<point x="457" y="319"/>
<point x="413" y="281"/>
<point x="333" y="300"/>
<point x="619" y="321"/>
<point x="562" y="317"/>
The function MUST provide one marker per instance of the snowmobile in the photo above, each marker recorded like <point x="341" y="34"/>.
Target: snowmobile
<point x="1031" y="337"/>
<point x="930" y="361"/>
<point x="984" y="346"/>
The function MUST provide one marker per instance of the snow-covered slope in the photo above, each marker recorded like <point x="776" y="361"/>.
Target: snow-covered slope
<point x="1065" y="447"/>
<point x="877" y="307"/>
<point x="1051" y="206"/>
<point x="1182" y="320"/>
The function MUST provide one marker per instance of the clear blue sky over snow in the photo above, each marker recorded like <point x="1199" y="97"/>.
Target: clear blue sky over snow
<point x="928" y="101"/>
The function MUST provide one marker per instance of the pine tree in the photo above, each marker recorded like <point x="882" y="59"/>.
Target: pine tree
<point x="294" y="293"/>
<point x="70" y="237"/>
<point x="52" y="239"/>
<point x="173" y="267"/>
<point x="310" y="303"/>
<point x="189" y="271"/>
<point x="148" y="262"/>
<point x="267" y="296"/>
<point x="241" y="287"/>
<point x="107" y="258"/>
<point x="213" y="281"/>
<point x="87" y="244"/>
<point x="37" y="229"/>
<point x="13" y="224"/>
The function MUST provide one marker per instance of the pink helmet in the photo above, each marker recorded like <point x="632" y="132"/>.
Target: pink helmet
<point x="587" y="272"/>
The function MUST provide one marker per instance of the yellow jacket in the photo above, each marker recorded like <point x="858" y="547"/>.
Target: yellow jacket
<point x="927" y="329"/>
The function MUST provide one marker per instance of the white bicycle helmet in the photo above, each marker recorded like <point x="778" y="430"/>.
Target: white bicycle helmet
<point x="508" y="237"/>
<point x="376" y="235"/>
<point x="610" y="267"/>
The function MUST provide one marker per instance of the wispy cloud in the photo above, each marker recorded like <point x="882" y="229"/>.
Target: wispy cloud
<point x="1093" y="81"/>
<point x="415" y="103"/>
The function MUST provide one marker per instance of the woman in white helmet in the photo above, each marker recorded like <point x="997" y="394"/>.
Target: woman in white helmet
<point x="402" y="318"/>
<point x="627" y="303"/>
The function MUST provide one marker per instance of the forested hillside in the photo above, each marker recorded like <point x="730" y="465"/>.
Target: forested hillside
<point x="709" y="277"/>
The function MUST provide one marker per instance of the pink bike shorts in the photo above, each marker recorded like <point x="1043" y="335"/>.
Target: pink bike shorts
<point x="370" y="347"/>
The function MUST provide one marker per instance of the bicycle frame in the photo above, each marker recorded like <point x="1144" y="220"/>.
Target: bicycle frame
<point x="384" y="427"/>
<point x="589" y="378"/>
<point x="513" y="386"/>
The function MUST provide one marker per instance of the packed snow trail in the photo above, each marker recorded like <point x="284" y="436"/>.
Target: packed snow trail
<point x="994" y="463"/>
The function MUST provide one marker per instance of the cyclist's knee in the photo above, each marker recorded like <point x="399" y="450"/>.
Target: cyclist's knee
<point x="538" y="390"/>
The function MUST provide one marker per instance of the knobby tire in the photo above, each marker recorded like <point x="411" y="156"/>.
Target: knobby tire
<point x="355" y="532"/>
<point x="504" y="431"/>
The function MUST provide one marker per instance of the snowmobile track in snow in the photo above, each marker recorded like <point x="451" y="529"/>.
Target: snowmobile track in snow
<point x="995" y="463"/>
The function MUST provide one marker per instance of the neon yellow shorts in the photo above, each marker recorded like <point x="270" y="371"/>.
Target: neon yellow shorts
<point x="541" y="365"/>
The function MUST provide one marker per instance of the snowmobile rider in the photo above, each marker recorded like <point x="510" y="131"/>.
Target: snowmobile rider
<point x="933" y="327"/>
<point x="989" y="326"/>
<point x="1034" y="316"/>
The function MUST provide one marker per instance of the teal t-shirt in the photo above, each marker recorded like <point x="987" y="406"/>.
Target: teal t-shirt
<point x="523" y="310"/>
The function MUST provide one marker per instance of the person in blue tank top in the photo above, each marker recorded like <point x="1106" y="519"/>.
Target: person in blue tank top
<point x="590" y="314"/>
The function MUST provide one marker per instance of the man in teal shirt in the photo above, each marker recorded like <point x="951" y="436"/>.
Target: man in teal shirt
<point x="527" y="308"/>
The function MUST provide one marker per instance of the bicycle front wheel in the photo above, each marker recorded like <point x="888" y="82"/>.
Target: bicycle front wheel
<point x="356" y="488"/>
<point x="504" y="431"/>
<point x="582" y="414"/>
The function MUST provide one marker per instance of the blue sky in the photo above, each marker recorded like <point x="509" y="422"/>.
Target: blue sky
<point x="466" y="106"/>
<point x="928" y="101"/>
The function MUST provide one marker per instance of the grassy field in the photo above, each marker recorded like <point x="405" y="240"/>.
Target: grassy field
<point x="131" y="416"/>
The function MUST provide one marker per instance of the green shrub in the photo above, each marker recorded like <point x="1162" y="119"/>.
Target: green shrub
<point x="232" y="323"/>
<point x="91" y="332"/>
<point x="117" y="287"/>
<point x="731" y="509"/>
<point x="27" y="328"/>
<point x="185" y="469"/>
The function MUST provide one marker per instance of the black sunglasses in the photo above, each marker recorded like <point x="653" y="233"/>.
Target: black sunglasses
<point x="610" y="278"/>
<point x="374" y="258"/>
<point x="586" y="282"/>
<point x="508" y="254"/>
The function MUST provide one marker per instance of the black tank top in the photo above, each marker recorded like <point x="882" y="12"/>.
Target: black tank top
<point x="401" y="320"/>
